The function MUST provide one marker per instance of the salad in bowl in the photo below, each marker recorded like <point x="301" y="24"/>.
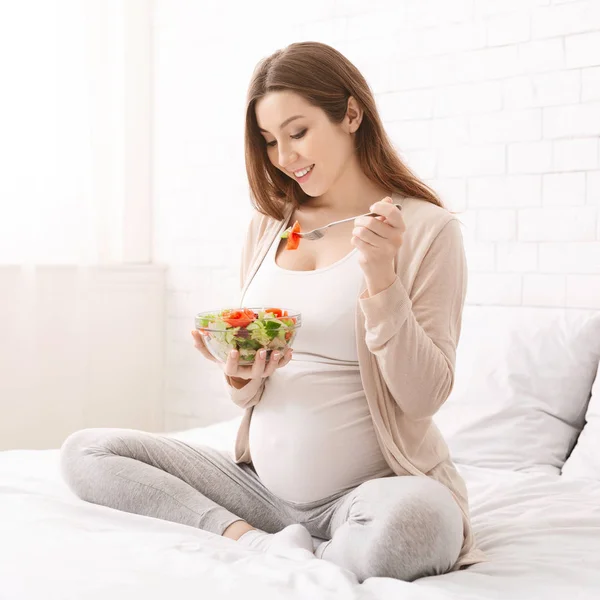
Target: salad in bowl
<point x="247" y="330"/>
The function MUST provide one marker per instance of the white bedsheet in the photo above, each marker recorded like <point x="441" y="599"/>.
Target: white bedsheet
<point x="541" y="533"/>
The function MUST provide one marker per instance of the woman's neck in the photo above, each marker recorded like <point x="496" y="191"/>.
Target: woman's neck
<point x="352" y="194"/>
<point x="351" y="203"/>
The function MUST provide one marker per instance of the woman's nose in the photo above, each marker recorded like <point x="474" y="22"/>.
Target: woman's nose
<point x="287" y="158"/>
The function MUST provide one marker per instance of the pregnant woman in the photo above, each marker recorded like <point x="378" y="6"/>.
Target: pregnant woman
<point x="336" y="453"/>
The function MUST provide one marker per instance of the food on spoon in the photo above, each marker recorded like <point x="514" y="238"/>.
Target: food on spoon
<point x="293" y="239"/>
<point x="247" y="331"/>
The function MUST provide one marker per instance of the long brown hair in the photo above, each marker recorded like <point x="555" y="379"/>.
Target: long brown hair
<point x="326" y="79"/>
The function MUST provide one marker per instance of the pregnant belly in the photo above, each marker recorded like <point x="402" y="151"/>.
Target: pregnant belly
<point x="310" y="447"/>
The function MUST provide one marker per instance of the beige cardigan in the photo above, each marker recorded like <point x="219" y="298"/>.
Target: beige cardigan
<point x="406" y="351"/>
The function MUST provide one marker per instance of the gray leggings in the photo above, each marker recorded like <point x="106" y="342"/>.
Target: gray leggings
<point x="401" y="527"/>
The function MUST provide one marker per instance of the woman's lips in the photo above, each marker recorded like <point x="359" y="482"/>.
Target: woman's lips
<point x="305" y="177"/>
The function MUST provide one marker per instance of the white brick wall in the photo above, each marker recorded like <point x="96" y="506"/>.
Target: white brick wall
<point x="496" y="103"/>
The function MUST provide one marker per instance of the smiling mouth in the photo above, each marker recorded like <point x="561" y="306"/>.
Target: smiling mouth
<point x="303" y="172"/>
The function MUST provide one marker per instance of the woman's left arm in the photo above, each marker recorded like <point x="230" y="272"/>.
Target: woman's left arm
<point x="414" y="338"/>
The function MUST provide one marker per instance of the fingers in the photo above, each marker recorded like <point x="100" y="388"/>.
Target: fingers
<point x="285" y="358"/>
<point x="259" y="364"/>
<point x="201" y="346"/>
<point x="259" y="368"/>
<point x="274" y="362"/>
<point x="389" y="212"/>
<point x="382" y="206"/>
<point x="232" y="367"/>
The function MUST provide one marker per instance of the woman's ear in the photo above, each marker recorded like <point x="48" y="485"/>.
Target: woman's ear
<point x="354" y="115"/>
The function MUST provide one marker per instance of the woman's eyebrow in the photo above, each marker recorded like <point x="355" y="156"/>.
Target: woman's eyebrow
<point x="286" y="122"/>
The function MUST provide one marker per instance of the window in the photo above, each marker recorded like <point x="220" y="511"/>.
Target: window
<point x="75" y="132"/>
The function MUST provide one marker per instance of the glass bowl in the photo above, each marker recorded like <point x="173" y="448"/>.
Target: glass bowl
<point x="247" y="330"/>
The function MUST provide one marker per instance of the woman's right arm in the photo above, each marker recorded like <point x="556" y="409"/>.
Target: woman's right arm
<point x="244" y="382"/>
<point x="248" y="394"/>
<point x="246" y="390"/>
<point x="236" y="382"/>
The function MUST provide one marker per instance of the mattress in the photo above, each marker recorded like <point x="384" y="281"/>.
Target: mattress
<point x="540" y="532"/>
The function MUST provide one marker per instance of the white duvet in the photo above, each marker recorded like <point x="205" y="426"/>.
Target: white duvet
<point x="541" y="533"/>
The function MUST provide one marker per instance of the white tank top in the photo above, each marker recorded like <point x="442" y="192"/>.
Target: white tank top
<point x="311" y="434"/>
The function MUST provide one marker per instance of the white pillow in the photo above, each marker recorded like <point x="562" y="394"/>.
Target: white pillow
<point x="522" y="384"/>
<point x="584" y="461"/>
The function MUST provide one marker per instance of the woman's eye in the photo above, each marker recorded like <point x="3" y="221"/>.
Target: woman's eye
<point x="300" y="135"/>
<point x="296" y="137"/>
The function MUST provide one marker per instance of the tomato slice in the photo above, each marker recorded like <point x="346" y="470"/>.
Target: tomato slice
<point x="243" y="317"/>
<point x="280" y="314"/>
<point x="293" y="240"/>
<point x="238" y="318"/>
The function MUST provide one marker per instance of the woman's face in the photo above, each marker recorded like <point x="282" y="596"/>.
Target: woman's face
<point x="294" y="144"/>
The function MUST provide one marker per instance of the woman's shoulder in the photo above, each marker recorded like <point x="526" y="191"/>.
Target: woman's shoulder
<point x="425" y="215"/>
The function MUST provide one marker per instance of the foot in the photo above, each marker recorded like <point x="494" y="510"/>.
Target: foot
<point x="293" y="537"/>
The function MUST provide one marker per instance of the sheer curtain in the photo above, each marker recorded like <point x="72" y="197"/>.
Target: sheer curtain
<point x="75" y="132"/>
<point x="78" y="286"/>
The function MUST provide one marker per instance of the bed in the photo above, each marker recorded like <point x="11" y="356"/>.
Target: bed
<point x="535" y="498"/>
